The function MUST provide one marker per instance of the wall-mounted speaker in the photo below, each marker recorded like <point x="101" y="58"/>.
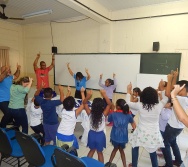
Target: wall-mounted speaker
<point x="54" y="49"/>
<point x="156" y="46"/>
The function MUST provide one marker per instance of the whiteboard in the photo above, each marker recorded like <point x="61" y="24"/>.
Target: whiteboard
<point x="145" y="80"/>
<point x="125" y="66"/>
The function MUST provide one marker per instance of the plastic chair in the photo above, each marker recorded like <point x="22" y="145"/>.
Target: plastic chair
<point x="9" y="147"/>
<point x="61" y="158"/>
<point x="35" y="154"/>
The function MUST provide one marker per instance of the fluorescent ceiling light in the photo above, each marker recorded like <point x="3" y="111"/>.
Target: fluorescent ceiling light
<point x="36" y="14"/>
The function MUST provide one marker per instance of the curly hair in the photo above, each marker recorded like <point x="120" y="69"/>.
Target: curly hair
<point x="97" y="109"/>
<point x="149" y="98"/>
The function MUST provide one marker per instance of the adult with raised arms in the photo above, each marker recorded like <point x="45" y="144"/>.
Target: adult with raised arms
<point x="80" y="81"/>
<point x="6" y="79"/>
<point x="42" y="72"/>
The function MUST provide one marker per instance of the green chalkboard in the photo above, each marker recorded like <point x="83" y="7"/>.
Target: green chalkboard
<point x="159" y="63"/>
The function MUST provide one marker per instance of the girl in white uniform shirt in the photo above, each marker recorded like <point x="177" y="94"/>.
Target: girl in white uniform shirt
<point x="97" y="113"/>
<point x="65" y="131"/>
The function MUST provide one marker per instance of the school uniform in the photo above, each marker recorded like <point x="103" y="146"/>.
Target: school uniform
<point x="172" y="130"/>
<point x="36" y="120"/>
<point x="96" y="137"/>
<point x="119" y="132"/>
<point x="65" y="131"/>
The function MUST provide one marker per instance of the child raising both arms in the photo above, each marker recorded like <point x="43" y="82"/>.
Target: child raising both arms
<point x="97" y="113"/>
<point x="50" y="118"/>
<point x="65" y="131"/>
<point x="109" y="86"/>
<point x="119" y="133"/>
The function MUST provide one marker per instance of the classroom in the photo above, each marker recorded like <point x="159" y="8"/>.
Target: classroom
<point x="95" y="28"/>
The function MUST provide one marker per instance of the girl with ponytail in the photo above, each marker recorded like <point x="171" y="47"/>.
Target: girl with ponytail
<point x="119" y="133"/>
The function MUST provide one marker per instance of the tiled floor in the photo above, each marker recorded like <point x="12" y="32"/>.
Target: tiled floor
<point x="144" y="160"/>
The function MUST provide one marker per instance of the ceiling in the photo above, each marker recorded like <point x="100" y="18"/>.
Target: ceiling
<point x="113" y="5"/>
<point x="17" y="8"/>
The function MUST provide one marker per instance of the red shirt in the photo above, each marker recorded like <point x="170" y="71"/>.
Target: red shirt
<point x="42" y="77"/>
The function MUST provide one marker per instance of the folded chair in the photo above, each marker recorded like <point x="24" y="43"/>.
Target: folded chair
<point x="35" y="155"/>
<point x="61" y="158"/>
<point x="9" y="148"/>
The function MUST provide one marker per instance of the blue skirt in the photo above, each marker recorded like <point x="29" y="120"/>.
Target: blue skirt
<point x="116" y="144"/>
<point x="96" y="140"/>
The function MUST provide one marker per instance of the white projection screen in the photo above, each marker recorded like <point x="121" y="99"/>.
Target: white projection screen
<point x="125" y="66"/>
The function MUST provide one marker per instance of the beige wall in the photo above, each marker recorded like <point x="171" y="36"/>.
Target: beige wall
<point x="11" y="35"/>
<point x="89" y="36"/>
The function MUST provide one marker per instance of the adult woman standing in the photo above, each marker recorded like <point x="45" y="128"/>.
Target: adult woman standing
<point x="18" y="92"/>
<point x="80" y="81"/>
<point x="147" y="133"/>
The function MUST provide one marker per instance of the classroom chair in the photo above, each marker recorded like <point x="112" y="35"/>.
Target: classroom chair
<point x="35" y="154"/>
<point x="61" y="158"/>
<point x="9" y="148"/>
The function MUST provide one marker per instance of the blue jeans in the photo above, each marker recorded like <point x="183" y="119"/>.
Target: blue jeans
<point x="20" y="118"/>
<point x="170" y="135"/>
<point x="6" y="117"/>
<point x="153" y="157"/>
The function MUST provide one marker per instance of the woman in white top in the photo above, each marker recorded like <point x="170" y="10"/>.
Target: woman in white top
<point x="147" y="133"/>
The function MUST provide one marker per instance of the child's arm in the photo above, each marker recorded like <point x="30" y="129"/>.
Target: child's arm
<point x="88" y="75"/>
<point x="70" y="71"/>
<point x="61" y="93"/>
<point x="79" y="110"/>
<point x="68" y="91"/>
<point x="115" y="82"/>
<point x="109" y="103"/>
<point x="169" y="85"/>
<point x="133" y="124"/>
<point x="174" y="80"/>
<point x="100" y="81"/>
<point x="89" y="94"/>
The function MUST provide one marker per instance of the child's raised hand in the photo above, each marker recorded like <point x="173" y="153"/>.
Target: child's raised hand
<point x="86" y="70"/>
<point x="68" y="65"/>
<point x="129" y="88"/>
<point x="68" y="88"/>
<point x="169" y="77"/>
<point x="101" y="76"/>
<point x="175" y="73"/>
<point x="176" y="90"/>
<point x="60" y="87"/>
<point x="114" y="75"/>
<point x="82" y="89"/>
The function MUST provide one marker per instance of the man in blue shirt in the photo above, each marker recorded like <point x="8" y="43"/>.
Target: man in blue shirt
<point x="6" y="79"/>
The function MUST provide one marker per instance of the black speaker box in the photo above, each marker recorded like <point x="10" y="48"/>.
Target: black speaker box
<point x="54" y="49"/>
<point x="156" y="46"/>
